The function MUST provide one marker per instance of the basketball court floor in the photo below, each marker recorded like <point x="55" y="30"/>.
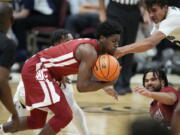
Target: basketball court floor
<point x="105" y="115"/>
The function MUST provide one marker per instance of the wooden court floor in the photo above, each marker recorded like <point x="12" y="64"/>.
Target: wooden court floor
<point x="105" y="115"/>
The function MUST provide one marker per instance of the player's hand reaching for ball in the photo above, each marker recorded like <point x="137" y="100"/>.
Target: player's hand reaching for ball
<point x="111" y="92"/>
<point x="142" y="91"/>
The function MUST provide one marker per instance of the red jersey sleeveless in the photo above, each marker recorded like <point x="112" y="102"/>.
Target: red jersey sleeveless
<point x="162" y="112"/>
<point x="41" y="72"/>
<point x="60" y="60"/>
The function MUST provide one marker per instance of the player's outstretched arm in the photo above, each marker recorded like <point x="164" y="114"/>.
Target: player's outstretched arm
<point x="111" y="92"/>
<point x="167" y="98"/>
<point x="87" y="56"/>
<point x="140" y="46"/>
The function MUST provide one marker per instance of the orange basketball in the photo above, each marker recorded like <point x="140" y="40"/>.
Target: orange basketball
<point x="107" y="68"/>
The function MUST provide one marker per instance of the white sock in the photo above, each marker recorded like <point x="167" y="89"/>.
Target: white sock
<point x="79" y="118"/>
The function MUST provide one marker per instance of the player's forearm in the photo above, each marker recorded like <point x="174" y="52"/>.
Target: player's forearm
<point x="164" y="98"/>
<point x="140" y="46"/>
<point x="137" y="47"/>
<point x="6" y="98"/>
<point x="133" y="48"/>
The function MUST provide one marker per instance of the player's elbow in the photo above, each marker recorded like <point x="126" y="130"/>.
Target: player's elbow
<point x="83" y="87"/>
<point x="154" y="40"/>
<point x="170" y="101"/>
<point x="80" y="87"/>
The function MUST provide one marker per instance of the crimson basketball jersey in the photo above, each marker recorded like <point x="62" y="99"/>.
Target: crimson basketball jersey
<point x="60" y="59"/>
<point x="162" y="112"/>
<point x="41" y="72"/>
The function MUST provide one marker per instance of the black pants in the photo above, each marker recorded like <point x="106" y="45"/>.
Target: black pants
<point x="128" y="17"/>
<point x="78" y="22"/>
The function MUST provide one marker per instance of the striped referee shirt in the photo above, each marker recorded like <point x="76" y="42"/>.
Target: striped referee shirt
<point x="127" y="2"/>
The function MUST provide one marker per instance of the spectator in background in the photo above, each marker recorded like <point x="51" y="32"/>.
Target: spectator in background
<point x="29" y="14"/>
<point x="84" y="14"/>
<point x="147" y="126"/>
<point x="7" y="57"/>
<point x="127" y="14"/>
<point x="165" y="98"/>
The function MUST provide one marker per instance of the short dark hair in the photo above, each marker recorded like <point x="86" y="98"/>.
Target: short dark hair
<point x="150" y="3"/>
<point x="159" y="73"/>
<point x="108" y="28"/>
<point x="58" y="35"/>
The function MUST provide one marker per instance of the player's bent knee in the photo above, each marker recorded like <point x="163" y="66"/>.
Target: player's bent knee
<point x="36" y="123"/>
<point x="58" y="122"/>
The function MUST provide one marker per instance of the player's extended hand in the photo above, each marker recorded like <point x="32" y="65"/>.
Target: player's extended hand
<point x="142" y="91"/>
<point x="111" y="92"/>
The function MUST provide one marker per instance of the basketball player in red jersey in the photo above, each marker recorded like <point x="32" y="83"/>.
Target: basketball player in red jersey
<point x="59" y="36"/>
<point x="41" y="73"/>
<point x="165" y="98"/>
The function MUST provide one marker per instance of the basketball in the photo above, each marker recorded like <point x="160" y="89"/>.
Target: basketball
<point x="106" y="68"/>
